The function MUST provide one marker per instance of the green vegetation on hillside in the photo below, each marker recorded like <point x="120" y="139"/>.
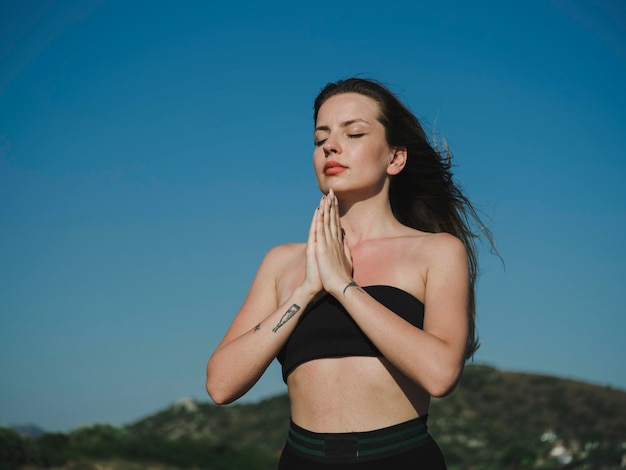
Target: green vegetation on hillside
<point x="104" y="444"/>
<point x="494" y="420"/>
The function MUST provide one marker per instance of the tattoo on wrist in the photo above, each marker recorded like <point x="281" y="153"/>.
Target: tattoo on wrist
<point x="287" y="316"/>
<point x="256" y="328"/>
<point x="351" y="284"/>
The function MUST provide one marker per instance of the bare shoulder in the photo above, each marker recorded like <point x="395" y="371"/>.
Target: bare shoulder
<point x="281" y="256"/>
<point x="432" y="244"/>
<point x="275" y="262"/>
<point x="442" y="243"/>
<point x="287" y="249"/>
<point x="284" y="265"/>
<point x="445" y="252"/>
<point x="435" y="249"/>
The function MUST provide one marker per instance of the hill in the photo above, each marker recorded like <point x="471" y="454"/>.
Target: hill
<point x="505" y="417"/>
<point x="491" y="416"/>
<point x="494" y="420"/>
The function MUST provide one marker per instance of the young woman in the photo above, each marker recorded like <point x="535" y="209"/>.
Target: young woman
<point x="375" y="313"/>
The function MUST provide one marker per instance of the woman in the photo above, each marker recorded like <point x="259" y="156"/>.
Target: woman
<point x="375" y="313"/>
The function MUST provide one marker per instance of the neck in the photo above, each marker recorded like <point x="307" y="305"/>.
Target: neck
<point x="367" y="219"/>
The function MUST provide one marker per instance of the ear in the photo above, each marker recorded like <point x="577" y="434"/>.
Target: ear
<point x="398" y="161"/>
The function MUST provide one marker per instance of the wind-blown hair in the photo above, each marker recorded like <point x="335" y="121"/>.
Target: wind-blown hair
<point x="423" y="195"/>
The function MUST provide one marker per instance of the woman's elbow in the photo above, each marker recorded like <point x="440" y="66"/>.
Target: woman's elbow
<point x="441" y="390"/>
<point x="214" y="386"/>
<point x="218" y="395"/>
<point x="444" y="383"/>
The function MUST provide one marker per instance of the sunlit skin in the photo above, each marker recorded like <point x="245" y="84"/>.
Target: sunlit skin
<point x="348" y="133"/>
<point x="353" y="237"/>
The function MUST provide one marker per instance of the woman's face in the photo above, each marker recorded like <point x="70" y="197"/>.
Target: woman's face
<point x="351" y="152"/>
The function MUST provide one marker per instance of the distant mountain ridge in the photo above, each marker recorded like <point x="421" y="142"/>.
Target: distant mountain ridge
<point x="28" y="430"/>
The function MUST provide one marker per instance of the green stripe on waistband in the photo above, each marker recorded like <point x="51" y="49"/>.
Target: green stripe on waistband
<point x="310" y="440"/>
<point x="368" y="445"/>
<point x="419" y="428"/>
<point x="385" y="437"/>
<point x="306" y="450"/>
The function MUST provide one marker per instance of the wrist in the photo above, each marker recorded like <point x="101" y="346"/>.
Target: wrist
<point x="306" y="292"/>
<point x="341" y="287"/>
<point x="348" y="286"/>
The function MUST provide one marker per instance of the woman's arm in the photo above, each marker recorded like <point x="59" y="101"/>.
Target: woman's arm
<point x="432" y="357"/>
<point x="255" y="336"/>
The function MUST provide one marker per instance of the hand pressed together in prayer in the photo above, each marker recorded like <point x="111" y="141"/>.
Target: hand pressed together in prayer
<point x="329" y="263"/>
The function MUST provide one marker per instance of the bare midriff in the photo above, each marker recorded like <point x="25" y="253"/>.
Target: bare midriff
<point x="351" y="394"/>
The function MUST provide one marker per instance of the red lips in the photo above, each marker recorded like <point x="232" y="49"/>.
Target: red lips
<point x="333" y="168"/>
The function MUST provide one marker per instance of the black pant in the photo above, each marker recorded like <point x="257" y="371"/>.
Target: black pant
<point x="405" y="446"/>
<point x="427" y="457"/>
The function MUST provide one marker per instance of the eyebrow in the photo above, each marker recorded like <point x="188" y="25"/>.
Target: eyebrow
<point x="343" y="124"/>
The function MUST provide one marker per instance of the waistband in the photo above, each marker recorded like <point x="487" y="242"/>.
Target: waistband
<point x="358" y="446"/>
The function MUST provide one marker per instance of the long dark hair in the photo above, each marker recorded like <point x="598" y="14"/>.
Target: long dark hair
<point x="423" y="195"/>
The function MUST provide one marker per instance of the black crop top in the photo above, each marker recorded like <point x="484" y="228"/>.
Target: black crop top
<point x="326" y="329"/>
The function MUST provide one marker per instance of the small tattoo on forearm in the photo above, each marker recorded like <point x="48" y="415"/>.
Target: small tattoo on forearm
<point x="256" y="328"/>
<point x="351" y="284"/>
<point x="288" y="314"/>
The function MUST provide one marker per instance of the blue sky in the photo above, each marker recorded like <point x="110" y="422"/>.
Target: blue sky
<point x="152" y="152"/>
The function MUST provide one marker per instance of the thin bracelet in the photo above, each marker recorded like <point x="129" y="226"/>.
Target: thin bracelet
<point x="350" y="284"/>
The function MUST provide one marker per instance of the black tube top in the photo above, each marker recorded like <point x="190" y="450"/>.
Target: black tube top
<point x="326" y="329"/>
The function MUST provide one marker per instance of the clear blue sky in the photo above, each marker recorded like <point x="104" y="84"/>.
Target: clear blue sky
<point x="152" y="152"/>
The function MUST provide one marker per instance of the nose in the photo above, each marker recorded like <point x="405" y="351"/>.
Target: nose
<point x="331" y="146"/>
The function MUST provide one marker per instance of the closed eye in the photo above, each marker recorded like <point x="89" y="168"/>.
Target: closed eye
<point x="319" y="142"/>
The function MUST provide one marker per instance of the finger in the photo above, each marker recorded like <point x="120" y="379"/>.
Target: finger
<point x="326" y="217"/>
<point x="311" y="238"/>
<point x="319" y="222"/>
<point x="346" y="250"/>
<point x="336" y="221"/>
<point x="332" y="216"/>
